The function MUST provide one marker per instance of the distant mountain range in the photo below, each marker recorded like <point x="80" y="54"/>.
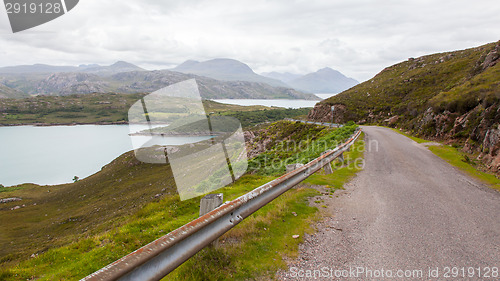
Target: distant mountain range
<point x="325" y="80"/>
<point x="218" y="78"/>
<point x="123" y="77"/>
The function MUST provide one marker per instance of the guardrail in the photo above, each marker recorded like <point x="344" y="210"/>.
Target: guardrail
<point x="158" y="258"/>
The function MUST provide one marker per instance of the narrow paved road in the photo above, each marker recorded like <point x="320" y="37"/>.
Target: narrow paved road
<point x="407" y="212"/>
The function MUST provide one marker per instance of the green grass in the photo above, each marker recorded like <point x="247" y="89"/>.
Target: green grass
<point x="307" y="143"/>
<point x="458" y="159"/>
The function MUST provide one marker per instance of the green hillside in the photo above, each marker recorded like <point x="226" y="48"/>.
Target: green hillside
<point x="51" y="216"/>
<point x="454" y="81"/>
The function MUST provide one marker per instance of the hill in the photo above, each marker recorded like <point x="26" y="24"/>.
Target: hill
<point x="226" y="70"/>
<point x="325" y="80"/>
<point x="452" y="96"/>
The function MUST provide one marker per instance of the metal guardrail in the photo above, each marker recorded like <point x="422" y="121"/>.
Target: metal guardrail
<point x="158" y="258"/>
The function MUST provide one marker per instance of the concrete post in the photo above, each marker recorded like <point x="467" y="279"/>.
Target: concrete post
<point x="209" y="203"/>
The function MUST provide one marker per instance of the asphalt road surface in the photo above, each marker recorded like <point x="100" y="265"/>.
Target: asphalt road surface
<point x="407" y="216"/>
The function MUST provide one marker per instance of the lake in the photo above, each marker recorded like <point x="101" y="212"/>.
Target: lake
<point x="54" y="155"/>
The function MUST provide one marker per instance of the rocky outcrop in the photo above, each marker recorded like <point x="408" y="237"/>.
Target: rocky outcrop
<point x="478" y="130"/>
<point x="491" y="58"/>
<point x="323" y="113"/>
<point x="8" y="200"/>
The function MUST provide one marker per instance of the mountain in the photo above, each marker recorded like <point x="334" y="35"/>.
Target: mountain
<point x="285" y="77"/>
<point x="93" y="81"/>
<point x="6" y="92"/>
<point x="325" y="80"/>
<point x="117" y="67"/>
<point x="226" y="70"/>
<point x="451" y="96"/>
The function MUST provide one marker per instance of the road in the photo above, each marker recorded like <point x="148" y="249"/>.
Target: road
<point x="407" y="212"/>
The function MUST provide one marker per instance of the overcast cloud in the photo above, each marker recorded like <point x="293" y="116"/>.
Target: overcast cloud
<point x="356" y="37"/>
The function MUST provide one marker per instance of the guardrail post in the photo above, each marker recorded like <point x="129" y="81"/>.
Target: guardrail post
<point x="328" y="167"/>
<point x="209" y="203"/>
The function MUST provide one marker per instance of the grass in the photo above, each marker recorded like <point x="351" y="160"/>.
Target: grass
<point x="344" y="171"/>
<point x="459" y="159"/>
<point x="75" y="229"/>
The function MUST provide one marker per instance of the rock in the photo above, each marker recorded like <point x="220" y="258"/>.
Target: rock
<point x="295" y="236"/>
<point x="392" y="120"/>
<point x="8" y="200"/>
<point x="491" y="58"/>
<point x="323" y="113"/>
<point x="294" y="214"/>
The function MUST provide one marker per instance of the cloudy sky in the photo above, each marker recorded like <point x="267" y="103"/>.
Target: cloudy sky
<point x="356" y="37"/>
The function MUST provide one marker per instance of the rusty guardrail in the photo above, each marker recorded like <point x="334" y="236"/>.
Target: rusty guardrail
<point x="158" y="258"/>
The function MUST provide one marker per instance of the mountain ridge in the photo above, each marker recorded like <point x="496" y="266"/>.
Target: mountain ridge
<point x="226" y="70"/>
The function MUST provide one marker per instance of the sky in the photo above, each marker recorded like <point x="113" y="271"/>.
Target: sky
<point x="357" y="37"/>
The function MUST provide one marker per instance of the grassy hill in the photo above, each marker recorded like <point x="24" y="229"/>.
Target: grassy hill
<point x="455" y="81"/>
<point x="66" y="232"/>
<point x="51" y="216"/>
<point x="452" y="96"/>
